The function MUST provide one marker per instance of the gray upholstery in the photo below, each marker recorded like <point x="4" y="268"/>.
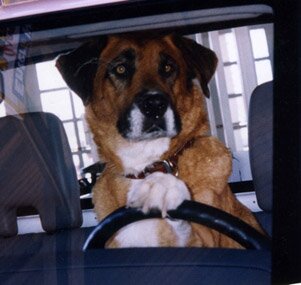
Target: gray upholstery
<point x="37" y="170"/>
<point x="261" y="143"/>
<point x="147" y="266"/>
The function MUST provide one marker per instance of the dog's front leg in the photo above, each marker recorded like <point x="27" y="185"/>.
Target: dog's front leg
<point x="164" y="192"/>
<point x="157" y="191"/>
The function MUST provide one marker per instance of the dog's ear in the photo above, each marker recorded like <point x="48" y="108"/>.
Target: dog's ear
<point x="78" y="67"/>
<point x="201" y="60"/>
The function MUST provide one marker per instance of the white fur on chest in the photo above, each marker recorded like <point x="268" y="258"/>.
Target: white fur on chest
<point x="139" y="234"/>
<point x="182" y="231"/>
<point x="146" y="234"/>
<point x="135" y="156"/>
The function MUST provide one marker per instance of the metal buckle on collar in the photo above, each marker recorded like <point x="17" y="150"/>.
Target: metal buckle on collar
<point x="170" y="167"/>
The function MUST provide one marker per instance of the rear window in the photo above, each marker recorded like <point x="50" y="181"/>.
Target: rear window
<point x="30" y="82"/>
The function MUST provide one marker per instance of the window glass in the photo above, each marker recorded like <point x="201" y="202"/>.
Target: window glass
<point x="238" y="110"/>
<point x="2" y="110"/>
<point x="88" y="159"/>
<point x="263" y="71"/>
<point x="241" y="139"/>
<point x="259" y="43"/>
<point x="58" y="99"/>
<point x="70" y="130"/>
<point x="76" y="162"/>
<point x="78" y="106"/>
<point x="233" y="79"/>
<point x="58" y="103"/>
<point x="229" y="48"/>
<point x="82" y="136"/>
<point x="48" y="77"/>
<point x="245" y="60"/>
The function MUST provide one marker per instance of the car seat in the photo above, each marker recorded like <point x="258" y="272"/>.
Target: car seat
<point x="261" y="150"/>
<point x="37" y="170"/>
<point x="161" y="265"/>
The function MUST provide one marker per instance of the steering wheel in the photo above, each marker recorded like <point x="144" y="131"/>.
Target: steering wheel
<point x="190" y="211"/>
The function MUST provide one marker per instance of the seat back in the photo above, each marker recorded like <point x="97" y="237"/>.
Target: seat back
<point x="261" y="143"/>
<point x="37" y="171"/>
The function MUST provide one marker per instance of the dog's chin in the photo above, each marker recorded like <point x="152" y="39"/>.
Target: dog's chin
<point x="149" y="135"/>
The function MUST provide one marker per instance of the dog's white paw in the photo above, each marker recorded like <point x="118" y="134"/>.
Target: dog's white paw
<point x="157" y="191"/>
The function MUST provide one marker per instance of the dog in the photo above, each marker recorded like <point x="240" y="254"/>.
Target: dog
<point x="144" y="98"/>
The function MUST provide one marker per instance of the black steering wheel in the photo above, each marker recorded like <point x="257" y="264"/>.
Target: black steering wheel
<point x="190" y="211"/>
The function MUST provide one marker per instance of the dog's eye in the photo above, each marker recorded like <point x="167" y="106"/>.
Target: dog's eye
<point x="120" y="69"/>
<point x="168" y="68"/>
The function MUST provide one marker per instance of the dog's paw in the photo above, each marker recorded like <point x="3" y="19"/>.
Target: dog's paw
<point x="157" y="191"/>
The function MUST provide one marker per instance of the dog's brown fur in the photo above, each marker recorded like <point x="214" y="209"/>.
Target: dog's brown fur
<point x="204" y="167"/>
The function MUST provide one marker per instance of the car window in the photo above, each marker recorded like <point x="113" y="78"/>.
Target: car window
<point x="245" y="61"/>
<point x="242" y="35"/>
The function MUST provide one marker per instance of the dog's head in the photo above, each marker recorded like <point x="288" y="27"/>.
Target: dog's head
<point x="144" y="85"/>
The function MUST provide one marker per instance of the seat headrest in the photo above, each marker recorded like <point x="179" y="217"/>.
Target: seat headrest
<point x="37" y="171"/>
<point x="261" y="143"/>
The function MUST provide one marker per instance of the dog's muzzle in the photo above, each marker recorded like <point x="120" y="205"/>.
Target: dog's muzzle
<point x="150" y="116"/>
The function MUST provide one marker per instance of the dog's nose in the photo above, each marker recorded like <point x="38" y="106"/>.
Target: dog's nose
<point x="153" y="104"/>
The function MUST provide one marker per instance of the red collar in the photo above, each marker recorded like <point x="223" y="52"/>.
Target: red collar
<point x="169" y="165"/>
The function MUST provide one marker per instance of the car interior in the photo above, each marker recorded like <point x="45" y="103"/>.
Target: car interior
<point x="49" y="163"/>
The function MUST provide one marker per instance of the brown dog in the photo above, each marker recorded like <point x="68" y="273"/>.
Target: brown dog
<point x="145" y="104"/>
